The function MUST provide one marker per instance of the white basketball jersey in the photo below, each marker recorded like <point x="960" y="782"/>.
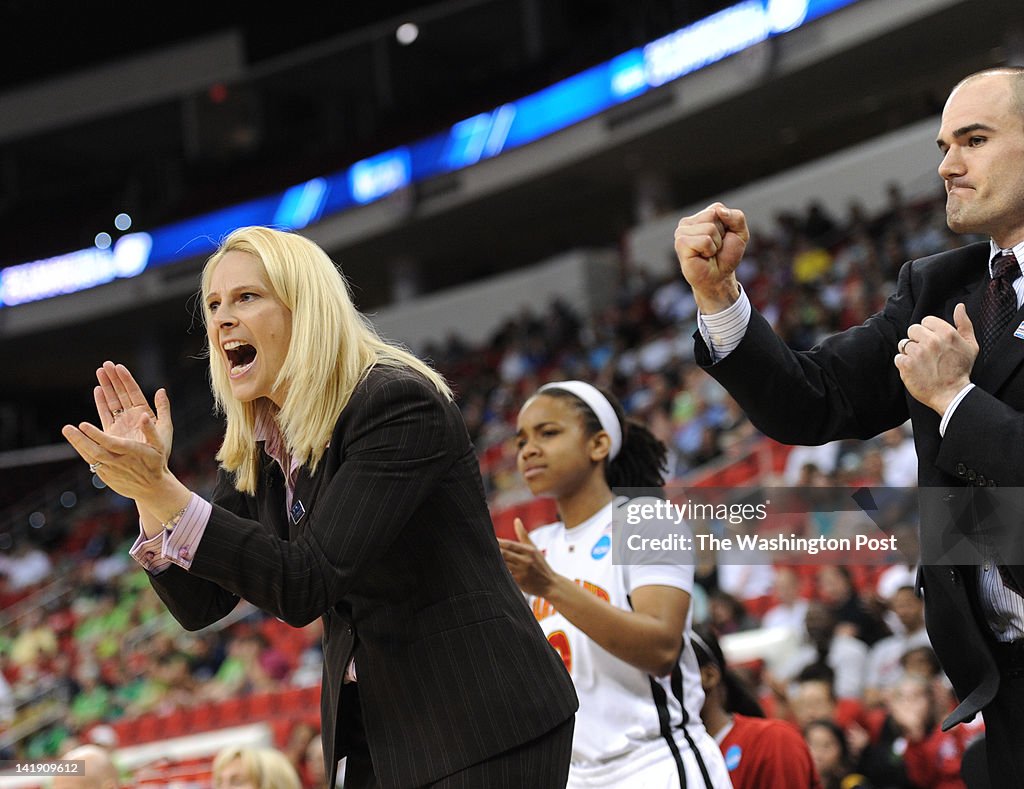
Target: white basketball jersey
<point x="623" y="710"/>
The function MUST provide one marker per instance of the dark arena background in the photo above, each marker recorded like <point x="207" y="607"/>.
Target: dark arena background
<point x="499" y="180"/>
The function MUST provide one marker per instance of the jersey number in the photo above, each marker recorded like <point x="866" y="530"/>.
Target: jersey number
<point x="560" y="641"/>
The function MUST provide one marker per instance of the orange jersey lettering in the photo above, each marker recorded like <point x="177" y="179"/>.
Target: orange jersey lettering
<point x="542" y="609"/>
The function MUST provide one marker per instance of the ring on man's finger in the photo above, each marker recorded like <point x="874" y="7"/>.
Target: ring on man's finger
<point x="94" y="466"/>
<point x="117" y="412"/>
<point x="902" y="344"/>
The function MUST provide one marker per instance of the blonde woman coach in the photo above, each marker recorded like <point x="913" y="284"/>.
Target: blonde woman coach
<point x="348" y="489"/>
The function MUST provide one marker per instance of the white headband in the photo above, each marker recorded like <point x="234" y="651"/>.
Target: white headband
<point x="597" y="403"/>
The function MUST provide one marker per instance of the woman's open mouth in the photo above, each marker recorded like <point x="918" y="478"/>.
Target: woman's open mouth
<point x="241" y="357"/>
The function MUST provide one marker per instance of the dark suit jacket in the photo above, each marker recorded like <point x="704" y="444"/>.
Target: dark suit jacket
<point x="849" y="387"/>
<point x="397" y="553"/>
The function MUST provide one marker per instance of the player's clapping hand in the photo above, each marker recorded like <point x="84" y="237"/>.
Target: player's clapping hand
<point x="526" y="562"/>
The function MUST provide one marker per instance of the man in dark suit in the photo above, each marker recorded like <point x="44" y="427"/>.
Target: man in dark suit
<point x="919" y="359"/>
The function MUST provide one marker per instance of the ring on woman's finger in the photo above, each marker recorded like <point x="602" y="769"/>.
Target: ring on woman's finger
<point x="902" y="344"/>
<point x="94" y="466"/>
<point x="117" y="412"/>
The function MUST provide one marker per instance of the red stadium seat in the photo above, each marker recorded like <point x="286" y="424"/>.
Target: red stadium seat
<point x="263" y="706"/>
<point x="312" y="695"/>
<point x="176" y="724"/>
<point x="281" y="729"/>
<point x="291" y="701"/>
<point x="148" y="727"/>
<point x="202" y="717"/>
<point x="233" y="712"/>
<point x="539" y="512"/>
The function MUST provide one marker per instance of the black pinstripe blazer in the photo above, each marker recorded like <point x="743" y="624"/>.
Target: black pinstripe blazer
<point x="396" y="551"/>
<point x="848" y="387"/>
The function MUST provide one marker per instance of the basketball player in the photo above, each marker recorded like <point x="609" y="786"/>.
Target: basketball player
<point x="622" y="630"/>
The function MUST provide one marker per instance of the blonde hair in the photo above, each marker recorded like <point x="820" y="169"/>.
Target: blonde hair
<point x="267" y="768"/>
<point x="249" y="763"/>
<point x="278" y="771"/>
<point x="325" y="326"/>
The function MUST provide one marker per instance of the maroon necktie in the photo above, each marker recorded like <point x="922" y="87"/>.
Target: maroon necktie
<point x="1000" y="302"/>
<point x="997" y="311"/>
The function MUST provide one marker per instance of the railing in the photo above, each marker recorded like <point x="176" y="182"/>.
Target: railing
<point x="38" y="712"/>
<point x="755" y="463"/>
<point x="53" y="592"/>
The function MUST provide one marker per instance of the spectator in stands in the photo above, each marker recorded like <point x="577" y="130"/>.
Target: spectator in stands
<point x="735" y="432"/>
<point x="621" y="628"/>
<point x="819" y="225"/>
<point x="899" y="458"/>
<point x="853" y="616"/>
<point x="727" y="614"/>
<point x="811" y="696"/>
<point x="7" y="702"/>
<point x="313" y="773"/>
<point x="137" y="690"/>
<point x="347" y="480"/>
<point x="253" y="768"/>
<point x="651" y="404"/>
<point x="672" y="302"/>
<point x="911" y="749"/>
<point x="102" y="735"/>
<point x="301" y="733"/>
<point x="922" y="662"/>
<point x="831" y="756"/>
<point x="48" y="741"/>
<point x="822" y="643"/>
<point x="26" y="566"/>
<point x="745" y="574"/>
<point x="311" y="659"/>
<point x="94" y="701"/>
<point x="759" y="752"/>
<point x="164" y="686"/>
<point x="98" y="770"/>
<point x="241" y="672"/>
<point x="99" y="631"/>
<point x="926" y="357"/>
<point x="790" y="607"/>
<point x="903" y="573"/>
<point x="824" y="458"/>
<point x="884" y="667"/>
<point x="925" y="232"/>
<point x="34" y="641"/>
<point x="205" y="654"/>
<point x="811" y="263"/>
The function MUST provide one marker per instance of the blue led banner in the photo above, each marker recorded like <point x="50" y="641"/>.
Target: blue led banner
<point x="472" y="140"/>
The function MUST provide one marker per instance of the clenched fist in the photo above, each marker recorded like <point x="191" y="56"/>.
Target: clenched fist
<point x="710" y="245"/>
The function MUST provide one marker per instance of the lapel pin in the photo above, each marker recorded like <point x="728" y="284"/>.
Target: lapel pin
<point x="297" y="511"/>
